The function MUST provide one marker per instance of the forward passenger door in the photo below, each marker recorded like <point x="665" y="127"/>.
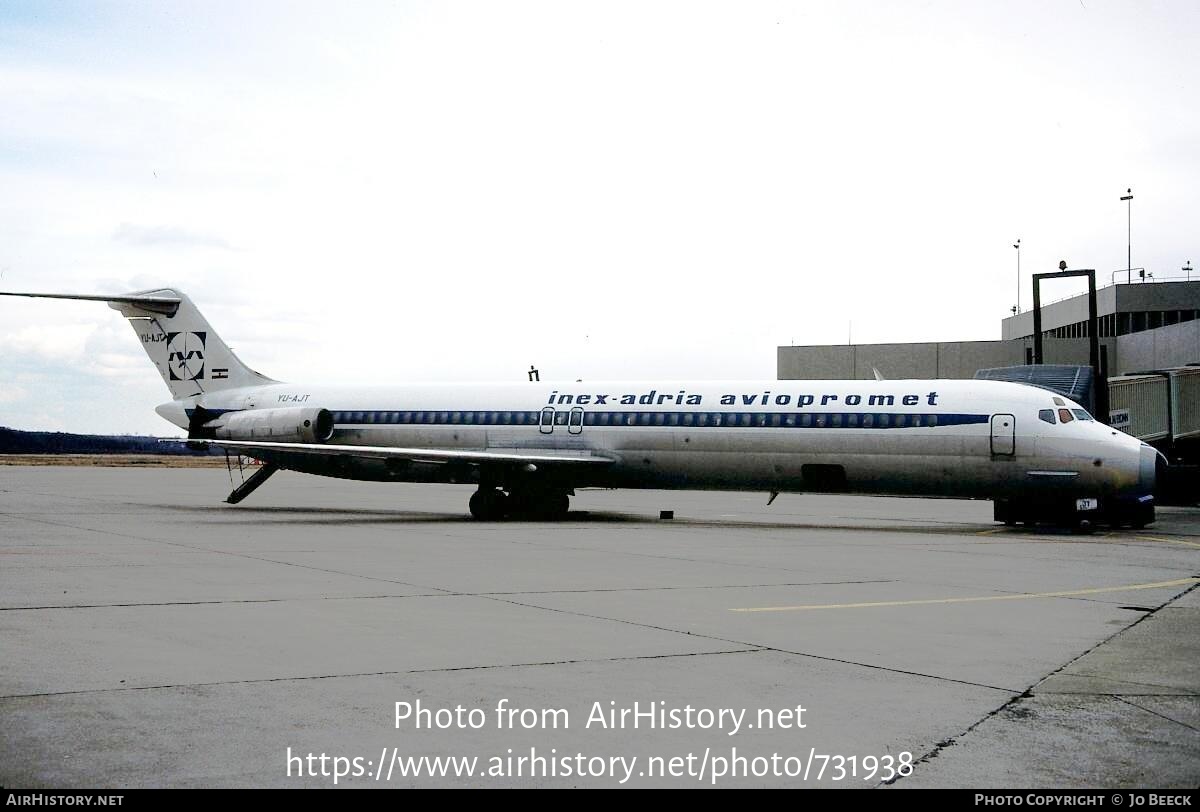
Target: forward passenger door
<point x="1004" y="435"/>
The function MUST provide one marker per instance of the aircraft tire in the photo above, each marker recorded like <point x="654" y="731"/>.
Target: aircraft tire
<point x="543" y="505"/>
<point x="555" y="505"/>
<point x="488" y="504"/>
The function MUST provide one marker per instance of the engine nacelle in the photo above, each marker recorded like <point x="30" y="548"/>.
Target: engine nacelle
<point x="296" y="424"/>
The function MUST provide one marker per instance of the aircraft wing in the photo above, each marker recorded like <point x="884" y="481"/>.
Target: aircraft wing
<point x="533" y="456"/>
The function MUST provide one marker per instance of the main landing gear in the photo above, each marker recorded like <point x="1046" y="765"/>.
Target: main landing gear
<point x="493" y="504"/>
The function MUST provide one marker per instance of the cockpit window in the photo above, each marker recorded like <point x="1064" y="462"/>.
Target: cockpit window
<point x="1082" y="414"/>
<point x="1059" y="402"/>
<point x="1064" y="415"/>
<point x="1047" y="415"/>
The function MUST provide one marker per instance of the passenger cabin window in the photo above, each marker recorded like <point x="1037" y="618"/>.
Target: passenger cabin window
<point x="1064" y="416"/>
<point x="1046" y="415"/>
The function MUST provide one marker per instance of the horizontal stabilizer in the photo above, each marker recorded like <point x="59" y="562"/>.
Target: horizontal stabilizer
<point x="189" y="355"/>
<point x="166" y="305"/>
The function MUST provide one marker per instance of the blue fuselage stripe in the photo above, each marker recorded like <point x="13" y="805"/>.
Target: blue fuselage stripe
<point x="696" y="420"/>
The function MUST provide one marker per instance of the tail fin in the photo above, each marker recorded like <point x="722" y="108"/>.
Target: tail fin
<point x="189" y="354"/>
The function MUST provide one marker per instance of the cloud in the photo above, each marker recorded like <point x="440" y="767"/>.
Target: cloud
<point x="51" y="342"/>
<point x="456" y="191"/>
<point x="13" y="394"/>
<point x="167" y="236"/>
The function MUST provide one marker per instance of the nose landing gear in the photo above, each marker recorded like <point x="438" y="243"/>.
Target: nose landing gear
<point x="1117" y="512"/>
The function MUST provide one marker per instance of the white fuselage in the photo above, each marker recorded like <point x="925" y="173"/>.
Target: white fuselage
<point x="973" y="438"/>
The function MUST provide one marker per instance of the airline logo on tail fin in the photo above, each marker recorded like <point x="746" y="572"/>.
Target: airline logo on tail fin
<point x="185" y="355"/>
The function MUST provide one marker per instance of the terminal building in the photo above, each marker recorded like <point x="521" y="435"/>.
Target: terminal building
<point x="1149" y="336"/>
<point x="1143" y="327"/>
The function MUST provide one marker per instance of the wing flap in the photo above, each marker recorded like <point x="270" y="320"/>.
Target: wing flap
<point x="435" y="455"/>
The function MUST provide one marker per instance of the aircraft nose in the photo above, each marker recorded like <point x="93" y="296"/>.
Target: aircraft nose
<point x="1151" y="469"/>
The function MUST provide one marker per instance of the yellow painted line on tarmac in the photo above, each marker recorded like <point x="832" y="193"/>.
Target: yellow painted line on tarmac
<point x="1169" y="541"/>
<point x="1085" y="539"/>
<point x="977" y="599"/>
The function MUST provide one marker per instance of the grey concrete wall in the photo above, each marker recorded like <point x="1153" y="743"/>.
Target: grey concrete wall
<point x="953" y="359"/>
<point x="1074" y="350"/>
<point x="1059" y="314"/>
<point x="1113" y="299"/>
<point x="1172" y="346"/>
<point x="1159" y="296"/>
<point x="823" y="362"/>
<point x="895" y="360"/>
<point x="960" y="359"/>
<point x="846" y="362"/>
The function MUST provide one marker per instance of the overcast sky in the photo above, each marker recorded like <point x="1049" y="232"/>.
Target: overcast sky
<point x="388" y="192"/>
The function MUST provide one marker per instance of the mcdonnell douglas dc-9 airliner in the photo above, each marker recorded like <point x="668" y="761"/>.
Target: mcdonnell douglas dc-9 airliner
<point x="527" y="447"/>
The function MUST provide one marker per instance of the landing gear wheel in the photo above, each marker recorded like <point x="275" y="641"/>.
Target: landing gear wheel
<point x="539" y="504"/>
<point x="488" y="504"/>
<point x="555" y="505"/>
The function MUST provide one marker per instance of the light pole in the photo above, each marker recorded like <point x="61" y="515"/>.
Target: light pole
<point x="1128" y="198"/>
<point x="1017" y="245"/>
<point x="1188" y="269"/>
